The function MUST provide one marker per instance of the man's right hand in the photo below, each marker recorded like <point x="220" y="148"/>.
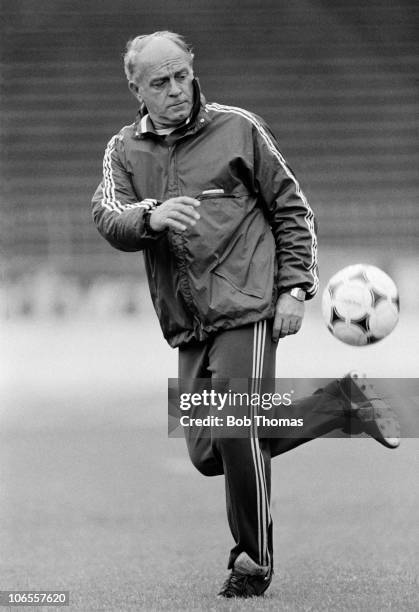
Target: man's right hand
<point x="177" y="213"/>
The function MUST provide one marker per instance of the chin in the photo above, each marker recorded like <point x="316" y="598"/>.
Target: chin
<point x="182" y="113"/>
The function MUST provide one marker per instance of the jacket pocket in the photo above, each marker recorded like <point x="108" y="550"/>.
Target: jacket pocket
<point x="215" y="194"/>
<point x="252" y="291"/>
<point x="247" y="265"/>
<point x="204" y="245"/>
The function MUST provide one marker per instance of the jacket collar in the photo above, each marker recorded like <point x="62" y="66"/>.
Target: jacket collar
<point x="143" y="126"/>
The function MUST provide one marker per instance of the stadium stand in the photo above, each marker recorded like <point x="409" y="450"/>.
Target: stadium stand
<point x="337" y="81"/>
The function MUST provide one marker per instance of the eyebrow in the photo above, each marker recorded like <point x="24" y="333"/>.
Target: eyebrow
<point x="163" y="78"/>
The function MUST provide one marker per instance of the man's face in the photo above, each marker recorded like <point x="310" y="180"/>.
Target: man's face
<point x="163" y="81"/>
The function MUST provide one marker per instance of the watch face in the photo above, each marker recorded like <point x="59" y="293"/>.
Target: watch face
<point x="298" y="293"/>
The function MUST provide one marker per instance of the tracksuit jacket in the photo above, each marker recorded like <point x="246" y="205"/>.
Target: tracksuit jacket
<point x="256" y="235"/>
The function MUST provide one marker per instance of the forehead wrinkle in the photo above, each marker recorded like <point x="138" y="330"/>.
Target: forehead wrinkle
<point x="166" y="67"/>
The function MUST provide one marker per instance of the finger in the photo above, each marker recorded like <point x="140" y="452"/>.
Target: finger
<point x="298" y="324"/>
<point x="176" y="215"/>
<point x="285" y="326"/>
<point x="276" y="328"/>
<point x="188" y="201"/>
<point x="186" y="210"/>
<point x="284" y="330"/>
<point x="293" y="326"/>
<point x="175" y="225"/>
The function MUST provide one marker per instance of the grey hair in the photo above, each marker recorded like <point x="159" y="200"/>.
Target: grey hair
<point x="138" y="44"/>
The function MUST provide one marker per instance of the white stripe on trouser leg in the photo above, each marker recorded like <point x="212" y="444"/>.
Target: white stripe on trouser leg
<point x="263" y="513"/>
<point x="262" y="509"/>
<point x="267" y="515"/>
<point x="252" y="442"/>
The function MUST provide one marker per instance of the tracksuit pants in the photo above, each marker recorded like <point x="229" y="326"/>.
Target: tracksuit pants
<point x="248" y="352"/>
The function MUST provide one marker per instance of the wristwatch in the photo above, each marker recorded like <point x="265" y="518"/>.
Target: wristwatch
<point x="298" y="294"/>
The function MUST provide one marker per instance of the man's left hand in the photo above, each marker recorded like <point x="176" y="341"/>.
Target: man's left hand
<point x="288" y="316"/>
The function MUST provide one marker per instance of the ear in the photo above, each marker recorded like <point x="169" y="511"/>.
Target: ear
<point x="134" y="89"/>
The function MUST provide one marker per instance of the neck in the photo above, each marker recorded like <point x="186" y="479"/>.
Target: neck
<point x="167" y="126"/>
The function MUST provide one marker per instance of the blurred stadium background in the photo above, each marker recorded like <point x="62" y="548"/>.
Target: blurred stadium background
<point x="89" y="482"/>
<point x="336" y="80"/>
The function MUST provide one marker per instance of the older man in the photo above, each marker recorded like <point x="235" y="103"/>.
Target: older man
<point x="230" y="252"/>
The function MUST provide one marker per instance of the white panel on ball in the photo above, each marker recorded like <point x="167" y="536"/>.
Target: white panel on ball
<point x="360" y="305"/>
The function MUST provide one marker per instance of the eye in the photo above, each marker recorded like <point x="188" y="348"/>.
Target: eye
<point x="158" y="84"/>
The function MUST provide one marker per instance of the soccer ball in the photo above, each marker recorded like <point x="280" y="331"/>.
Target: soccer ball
<point x="360" y="305"/>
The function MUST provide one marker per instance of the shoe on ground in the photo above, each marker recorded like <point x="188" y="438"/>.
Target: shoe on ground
<point x="368" y="412"/>
<point x="246" y="579"/>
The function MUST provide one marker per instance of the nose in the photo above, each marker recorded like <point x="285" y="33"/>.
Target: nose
<point x="174" y="89"/>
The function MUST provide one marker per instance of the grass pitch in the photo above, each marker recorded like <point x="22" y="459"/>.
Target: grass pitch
<point x="123" y="521"/>
<point x="96" y="500"/>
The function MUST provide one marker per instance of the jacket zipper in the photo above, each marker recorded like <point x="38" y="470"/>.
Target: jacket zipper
<point x="178" y="245"/>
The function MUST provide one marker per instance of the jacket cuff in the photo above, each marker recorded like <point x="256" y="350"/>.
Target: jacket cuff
<point x="148" y="230"/>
